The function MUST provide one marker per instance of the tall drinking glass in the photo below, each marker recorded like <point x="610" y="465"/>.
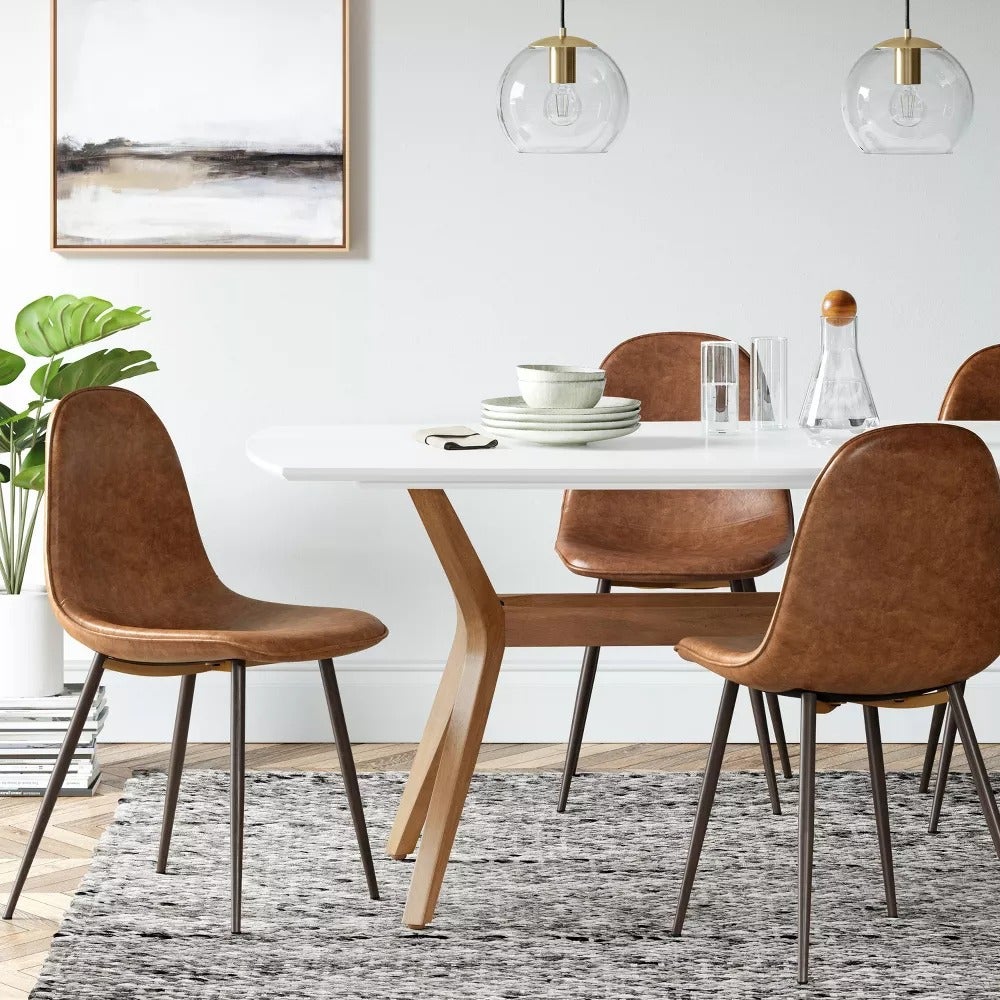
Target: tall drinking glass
<point x="769" y="383"/>
<point x="720" y="386"/>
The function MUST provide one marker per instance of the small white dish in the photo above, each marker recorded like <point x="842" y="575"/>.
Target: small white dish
<point x="563" y="437"/>
<point x="516" y="406"/>
<point x="551" y="419"/>
<point x="499" y="426"/>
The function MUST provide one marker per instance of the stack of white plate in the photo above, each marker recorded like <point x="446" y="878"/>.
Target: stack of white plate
<point x="511" y="417"/>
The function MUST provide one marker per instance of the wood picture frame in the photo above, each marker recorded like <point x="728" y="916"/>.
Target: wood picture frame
<point x="244" y="147"/>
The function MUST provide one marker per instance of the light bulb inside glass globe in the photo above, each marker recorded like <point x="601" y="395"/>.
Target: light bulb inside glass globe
<point x="562" y="105"/>
<point x="906" y="108"/>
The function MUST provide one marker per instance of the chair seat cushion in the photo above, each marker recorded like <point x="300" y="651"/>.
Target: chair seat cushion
<point x="718" y="653"/>
<point x="672" y="568"/>
<point x="733" y="657"/>
<point x="672" y="556"/>
<point x="656" y="538"/>
<point x="222" y="625"/>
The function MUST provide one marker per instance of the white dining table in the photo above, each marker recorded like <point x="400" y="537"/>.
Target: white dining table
<point x="658" y="456"/>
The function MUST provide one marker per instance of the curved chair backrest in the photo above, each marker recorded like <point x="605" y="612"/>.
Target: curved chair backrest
<point x="893" y="582"/>
<point x="663" y="370"/>
<point x="974" y="393"/>
<point x="121" y="536"/>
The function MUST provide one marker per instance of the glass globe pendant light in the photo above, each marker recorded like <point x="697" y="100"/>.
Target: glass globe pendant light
<point x="562" y="94"/>
<point x="907" y="95"/>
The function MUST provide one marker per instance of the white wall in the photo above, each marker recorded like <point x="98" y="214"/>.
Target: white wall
<point x="731" y="203"/>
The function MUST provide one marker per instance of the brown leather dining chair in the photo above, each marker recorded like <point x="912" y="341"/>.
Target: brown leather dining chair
<point x="128" y="577"/>
<point x="877" y="610"/>
<point x="974" y="394"/>
<point x="678" y="538"/>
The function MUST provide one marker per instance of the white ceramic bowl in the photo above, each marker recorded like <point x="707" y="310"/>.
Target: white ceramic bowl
<point x="558" y="373"/>
<point x="560" y="385"/>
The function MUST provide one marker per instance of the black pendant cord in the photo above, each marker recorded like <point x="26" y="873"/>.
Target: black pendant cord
<point x="907" y="13"/>
<point x="562" y="13"/>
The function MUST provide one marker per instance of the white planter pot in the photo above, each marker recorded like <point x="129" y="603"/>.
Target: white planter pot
<point x="31" y="646"/>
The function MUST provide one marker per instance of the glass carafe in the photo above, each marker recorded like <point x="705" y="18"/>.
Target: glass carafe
<point x="838" y="400"/>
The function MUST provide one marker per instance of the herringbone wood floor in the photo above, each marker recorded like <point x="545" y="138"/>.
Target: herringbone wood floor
<point x="77" y="823"/>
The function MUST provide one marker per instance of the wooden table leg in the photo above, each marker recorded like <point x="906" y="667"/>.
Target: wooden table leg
<point x="431" y="805"/>
<point x="450" y="745"/>
<point x="463" y="738"/>
<point x="416" y="798"/>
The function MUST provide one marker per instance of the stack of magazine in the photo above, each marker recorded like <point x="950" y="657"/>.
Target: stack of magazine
<point x="32" y="731"/>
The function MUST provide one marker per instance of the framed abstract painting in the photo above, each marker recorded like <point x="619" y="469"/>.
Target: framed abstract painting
<point x="194" y="125"/>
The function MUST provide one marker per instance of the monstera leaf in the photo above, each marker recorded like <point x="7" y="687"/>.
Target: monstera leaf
<point x="56" y="379"/>
<point x="22" y="427"/>
<point x="50" y="326"/>
<point x="31" y="475"/>
<point x="11" y="365"/>
<point x="8" y="416"/>
<point x="28" y="435"/>
<point x="12" y="426"/>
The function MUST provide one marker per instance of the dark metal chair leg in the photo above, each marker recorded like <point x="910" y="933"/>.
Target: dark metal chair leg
<point x="237" y="772"/>
<point x="977" y="765"/>
<point x="880" y="798"/>
<point x="933" y="737"/>
<point x="944" y="765"/>
<point x="348" y="771"/>
<point x="773" y="705"/>
<point x="764" y="740"/>
<point x="807" y="814"/>
<point x="90" y="686"/>
<point x="709" y="785"/>
<point x="588" y="671"/>
<point x="176" y="768"/>
<point x="774" y="710"/>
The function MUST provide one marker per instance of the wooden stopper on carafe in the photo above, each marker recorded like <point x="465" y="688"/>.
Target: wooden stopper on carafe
<point x="839" y="308"/>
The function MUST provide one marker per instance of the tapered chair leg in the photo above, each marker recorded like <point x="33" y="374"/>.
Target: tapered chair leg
<point x="880" y="798"/>
<point x="807" y="814"/>
<point x="585" y="688"/>
<point x="781" y="741"/>
<point x="944" y="765"/>
<point x="348" y="771"/>
<point x="90" y="686"/>
<point x="773" y="705"/>
<point x="933" y="737"/>
<point x="977" y="765"/>
<point x="710" y="783"/>
<point x="176" y="768"/>
<point x="237" y="775"/>
<point x="764" y="740"/>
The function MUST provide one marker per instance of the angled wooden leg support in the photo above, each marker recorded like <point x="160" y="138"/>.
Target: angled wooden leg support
<point x="432" y="801"/>
<point x="457" y="761"/>
<point x="417" y="794"/>
<point x="472" y="672"/>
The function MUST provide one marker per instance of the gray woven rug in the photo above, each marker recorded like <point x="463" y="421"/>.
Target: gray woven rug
<point x="535" y="905"/>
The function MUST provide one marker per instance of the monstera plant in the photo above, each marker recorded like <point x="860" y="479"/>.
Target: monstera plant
<point x="54" y="330"/>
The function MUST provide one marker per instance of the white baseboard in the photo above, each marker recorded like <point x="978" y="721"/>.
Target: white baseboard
<point x="387" y="702"/>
